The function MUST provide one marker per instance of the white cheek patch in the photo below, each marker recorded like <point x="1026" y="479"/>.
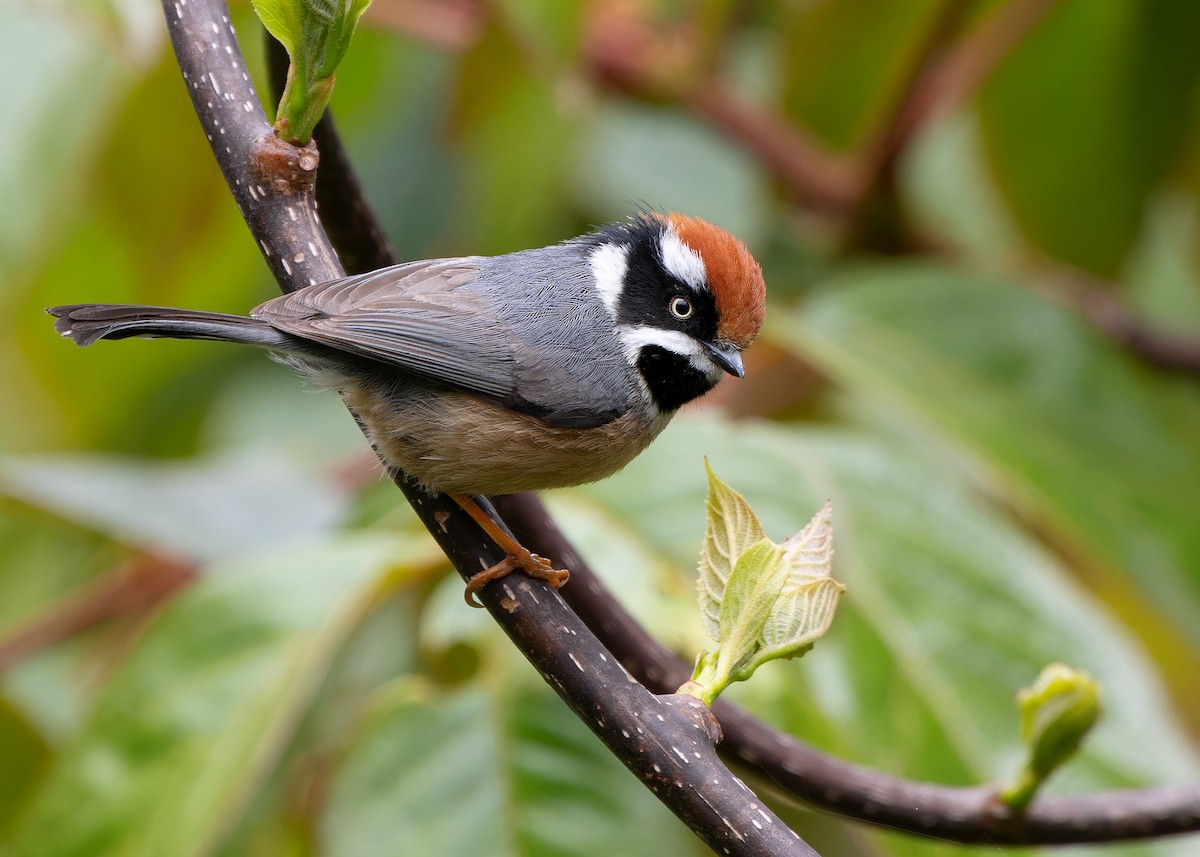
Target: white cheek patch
<point x="682" y="262"/>
<point x="609" y="264"/>
<point x="634" y="339"/>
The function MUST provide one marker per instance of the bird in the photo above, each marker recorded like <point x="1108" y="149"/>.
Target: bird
<point x="481" y="376"/>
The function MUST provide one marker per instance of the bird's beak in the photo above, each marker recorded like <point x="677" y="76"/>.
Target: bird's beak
<point x="727" y="357"/>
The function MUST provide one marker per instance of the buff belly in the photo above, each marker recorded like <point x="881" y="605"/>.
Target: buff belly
<point x="454" y="442"/>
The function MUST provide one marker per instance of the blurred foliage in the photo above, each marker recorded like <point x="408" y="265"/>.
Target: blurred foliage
<point x="1012" y="488"/>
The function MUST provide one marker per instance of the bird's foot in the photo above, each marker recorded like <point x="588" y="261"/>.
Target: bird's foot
<point x="530" y="563"/>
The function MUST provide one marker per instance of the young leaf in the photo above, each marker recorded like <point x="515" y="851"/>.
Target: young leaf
<point x="810" y="551"/>
<point x="1057" y="713"/>
<point x="750" y="594"/>
<point x="760" y="601"/>
<point x="731" y="529"/>
<point x="340" y="20"/>
<point x="316" y="34"/>
<point x="806" y="602"/>
<point x="281" y="20"/>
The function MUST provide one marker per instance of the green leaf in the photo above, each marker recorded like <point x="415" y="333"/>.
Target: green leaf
<point x="632" y="153"/>
<point x="951" y="605"/>
<point x="809" y="559"/>
<point x="282" y="20"/>
<point x="202" y="509"/>
<point x="1057" y="713"/>
<point x="1077" y="160"/>
<point x="760" y="601"/>
<point x="42" y="166"/>
<point x="804" y="609"/>
<point x="343" y="22"/>
<point x="185" y="731"/>
<point x="867" y="47"/>
<point x="316" y="35"/>
<point x="750" y="593"/>
<point x="495" y="768"/>
<point x="1063" y="424"/>
<point x="731" y="528"/>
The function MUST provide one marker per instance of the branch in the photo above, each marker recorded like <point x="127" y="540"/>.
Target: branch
<point x="965" y="815"/>
<point x="875" y="220"/>
<point x="625" y="52"/>
<point x="135" y="587"/>
<point x="943" y="85"/>
<point x="941" y="80"/>
<point x="1102" y="306"/>
<point x="825" y="182"/>
<point x="657" y="739"/>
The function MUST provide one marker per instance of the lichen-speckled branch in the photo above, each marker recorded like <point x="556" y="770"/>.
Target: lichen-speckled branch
<point x="966" y="815"/>
<point x="654" y="736"/>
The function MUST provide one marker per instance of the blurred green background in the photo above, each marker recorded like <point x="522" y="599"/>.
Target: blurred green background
<point x="222" y="633"/>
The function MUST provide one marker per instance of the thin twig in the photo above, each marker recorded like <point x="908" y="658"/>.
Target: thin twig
<point x="945" y="74"/>
<point x="875" y="220"/>
<point x="625" y="52"/>
<point x="965" y="67"/>
<point x="1103" y="307"/>
<point x="823" y="181"/>
<point x="135" y="587"/>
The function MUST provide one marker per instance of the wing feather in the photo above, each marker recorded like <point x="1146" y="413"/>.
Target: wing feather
<point x="421" y="316"/>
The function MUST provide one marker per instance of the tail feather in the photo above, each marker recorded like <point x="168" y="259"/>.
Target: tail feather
<point x="87" y="323"/>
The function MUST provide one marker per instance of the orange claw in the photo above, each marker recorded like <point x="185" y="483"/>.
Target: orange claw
<point x="519" y="558"/>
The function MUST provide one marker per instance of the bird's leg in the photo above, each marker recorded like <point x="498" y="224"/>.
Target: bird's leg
<point x="519" y="558"/>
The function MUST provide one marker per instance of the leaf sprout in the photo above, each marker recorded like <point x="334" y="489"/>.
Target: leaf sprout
<point x="759" y="600"/>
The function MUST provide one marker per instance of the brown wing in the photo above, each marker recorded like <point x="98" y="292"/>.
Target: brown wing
<point x="426" y="317"/>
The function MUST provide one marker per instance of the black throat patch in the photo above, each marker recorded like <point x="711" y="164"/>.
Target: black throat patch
<point x="672" y="379"/>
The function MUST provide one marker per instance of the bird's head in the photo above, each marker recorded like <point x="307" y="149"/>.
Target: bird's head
<point x="687" y="299"/>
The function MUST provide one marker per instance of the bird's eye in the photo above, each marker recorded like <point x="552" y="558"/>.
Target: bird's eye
<point x="680" y="307"/>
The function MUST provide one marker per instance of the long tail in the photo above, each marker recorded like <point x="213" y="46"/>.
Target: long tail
<point x="87" y="323"/>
